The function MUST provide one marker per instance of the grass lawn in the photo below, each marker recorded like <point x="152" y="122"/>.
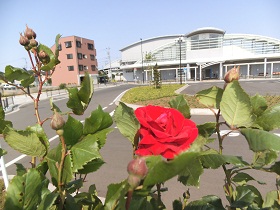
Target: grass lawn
<point x="148" y="95"/>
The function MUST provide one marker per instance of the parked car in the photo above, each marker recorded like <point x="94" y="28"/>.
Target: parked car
<point x="7" y="87"/>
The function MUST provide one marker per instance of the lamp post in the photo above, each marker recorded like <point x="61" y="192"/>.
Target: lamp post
<point x="180" y="69"/>
<point x="142" y="61"/>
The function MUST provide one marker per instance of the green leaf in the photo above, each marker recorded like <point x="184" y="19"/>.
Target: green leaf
<point x="26" y="142"/>
<point x="126" y="121"/>
<point x="243" y="198"/>
<point x="48" y="201"/>
<point x="210" y="97"/>
<point x="97" y="121"/>
<point x="4" y="124"/>
<point x="80" y="99"/>
<point x="275" y="168"/>
<point x="53" y="158"/>
<point x="86" y="91"/>
<point x="271" y="200"/>
<point x="115" y="196"/>
<point x="212" y="159"/>
<point x="260" y="140"/>
<point x="91" y="166"/>
<point x="264" y="158"/>
<point x="21" y="170"/>
<point x="236" y="106"/>
<point x="207" y="129"/>
<point x="73" y="131"/>
<point x="181" y="105"/>
<point x="49" y="66"/>
<point x="85" y="151"/>
<point x="269" y="120"/>
<point x="209" y="202"/>
<point x="40" y="134"/>
<point x="259" y="104"/>
<point x="161" y="170"/>
<point x="258" y="197"/>
<point x="101" y="136"/>
<point x="242" y="178"/>
<point x="24" y="192"/>
<point x="13" y="73"/>
<point x="53" y="106"/>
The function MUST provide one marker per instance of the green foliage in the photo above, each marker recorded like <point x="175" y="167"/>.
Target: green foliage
<point x="181" y="104"/>
<point x="62" y="86"/>
<point x="156" y="77"/>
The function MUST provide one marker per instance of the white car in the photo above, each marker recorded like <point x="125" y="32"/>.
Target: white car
<point x="8" y="87"/>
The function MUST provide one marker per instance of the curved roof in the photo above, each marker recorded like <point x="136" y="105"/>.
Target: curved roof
<point x="205" y="30"/>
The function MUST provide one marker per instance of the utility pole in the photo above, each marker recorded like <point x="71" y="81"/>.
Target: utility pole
<point x="180" y="69"/>
<point x="109" y="58"/>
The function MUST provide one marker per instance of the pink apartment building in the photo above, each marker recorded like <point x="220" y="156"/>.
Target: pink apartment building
<point x="77" y="55"/>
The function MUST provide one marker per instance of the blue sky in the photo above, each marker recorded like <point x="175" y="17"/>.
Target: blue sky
<point x="117" y="23"/>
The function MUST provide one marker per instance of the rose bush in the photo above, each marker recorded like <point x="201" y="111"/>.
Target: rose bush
<point x="164" y="131"/>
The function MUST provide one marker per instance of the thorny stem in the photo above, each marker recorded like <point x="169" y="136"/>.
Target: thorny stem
<point x="60" y="168"/>
<point x="220" y="138"/>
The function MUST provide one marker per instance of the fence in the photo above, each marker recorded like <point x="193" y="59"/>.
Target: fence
<point x="7" y="101"/>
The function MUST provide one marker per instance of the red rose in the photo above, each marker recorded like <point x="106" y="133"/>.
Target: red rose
<point x="164" y="131"/>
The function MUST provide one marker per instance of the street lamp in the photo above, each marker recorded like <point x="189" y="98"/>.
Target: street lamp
<point x="180" y="69"/>
<point x="142" y="61"/>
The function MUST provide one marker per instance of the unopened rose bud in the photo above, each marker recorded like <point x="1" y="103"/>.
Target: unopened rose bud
<point x="133" y="181"/>
<point x="44" y="57"/>
<point x="23" y="40"/>
<point x="232" y="74"/>
<point x="57" y="121"/>
<point x="29" y="33"/>
<point x="28" y="47"/>
<point x="33" y="42"/>
<point x="137" y="167"/>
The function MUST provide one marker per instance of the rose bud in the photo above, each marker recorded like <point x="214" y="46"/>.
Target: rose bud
<point x="29" y="33"/>
<point x="33" y="42"/>
<point x="57" y="121"/>
<point x="44" y="57"/>
<point x="23" y="40"/>
<point x="137" y="167"/>
<point x="133" y="181"/>
<point x="28" y="47"/>
<point x="232" y="74"/>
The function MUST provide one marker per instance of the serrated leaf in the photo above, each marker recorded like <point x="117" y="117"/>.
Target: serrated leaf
<point x="4" y="124"/>
<point x="264" y="158"/>
<point x="244" y="197"/>
<point x="86" y="90"/>
<point x="21" y="170"/>
<point x="53" y="158"/>
<point x="212" y="159"/>
<point x="97" y="121"/>
<point x="91" y="166"/>
<point x="116" y="196"/>
<point x="260" y="140"/>
<point x="181" y="105"/>
<point x="269" y="120"/>
<point x="24" y="192"/>
<point x="48" y="201"/>
<point x="80" y="99"/>
<point x="73" y="131"/>
<point x="210" y="97"/>
<point x="101" y="136"/>
<point x="207" y="129"/>
<point x="209" y="202"/>
<point x="126" y="121"/>
<point x="236" y="106"/>
<point x="13" y="73"/>
<point x="84" y="152"/>
<point x="26" y="142"/>
<point x="272" y="200"/>
<point x="242" y="178"/>
<point x="161" y="170"/>
<point x="259" y="104"/>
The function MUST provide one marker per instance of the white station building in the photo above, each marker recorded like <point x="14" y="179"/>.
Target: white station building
<point x="206" y="53"/>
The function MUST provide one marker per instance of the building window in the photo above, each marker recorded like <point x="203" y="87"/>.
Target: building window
<point x="90" y="46"/>
<point x="70" y="68"/>
<point x="78" y="44"/>
<point x="59" y="47"/>
<point x="80" y="56"/>
<point x="84" y="56"/>
<point x="85" y="68"/>
<point x="69" y="56"/>
<point x="92" y="57"/>
<point x="93" y="68"/>
<point x="81" y="67"/>
<point x="68" y="44"/>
